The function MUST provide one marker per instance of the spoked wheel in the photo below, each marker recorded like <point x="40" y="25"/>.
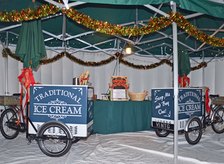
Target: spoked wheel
<point x="194" y="132"/>
<point x="162" y="132"/>
<point x="54" y="139"/>
<point x="218" y="121"/>
<point x="8" y="124"/>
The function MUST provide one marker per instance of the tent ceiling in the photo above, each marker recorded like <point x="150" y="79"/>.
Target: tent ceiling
<point x="61" y="32"/>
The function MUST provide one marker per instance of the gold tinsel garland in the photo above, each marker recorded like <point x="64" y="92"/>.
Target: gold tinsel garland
<point x="193" y="31"/>
<point x="28" y="14"/>
<point x="7" y="52"/>
<point x="154" y="24"/>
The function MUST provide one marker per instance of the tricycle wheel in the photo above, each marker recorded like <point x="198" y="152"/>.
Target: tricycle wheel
<point x="9" y="128"/>
<point x="218" y="121"/>
<point x="54" y="139"/>
<point x="194" y="131"/>
<point x="162" y="132"/>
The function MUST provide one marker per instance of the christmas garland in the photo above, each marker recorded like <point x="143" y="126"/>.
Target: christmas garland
<point x="88" y="63"/>
<point x="193" y="31"/>
<point x="154" y="24"/>
<point x="199" y="66"/>
<point x="145" y="67"/>
<point x="7" y="52"/>
<point x="28" y="14"/>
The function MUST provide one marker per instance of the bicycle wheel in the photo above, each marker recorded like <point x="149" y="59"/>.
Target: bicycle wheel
<point x="194" y="132"/>
<point x="218" y="120"/>
<point x="161" y="132"/>
<point x="54" y="139"/>
<point x="7" y="124"/>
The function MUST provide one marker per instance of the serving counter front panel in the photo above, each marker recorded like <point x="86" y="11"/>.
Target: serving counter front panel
<point x="121" y="116"/>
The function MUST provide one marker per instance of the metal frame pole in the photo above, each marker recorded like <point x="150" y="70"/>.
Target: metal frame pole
<point x="6" y="67"/>
<point x="175" y="77"/>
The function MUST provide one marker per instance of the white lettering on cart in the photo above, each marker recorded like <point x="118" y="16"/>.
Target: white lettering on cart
<point x="193" y="107"/>
<point x="166" y="103"/>
<point x="187" y="94"/>
<point x="40" y="109"/>
<point x="56" y="109"/>
<point x="157" y="98"/>
<point x="57" y="92"/>
<point x="65" y="110"/>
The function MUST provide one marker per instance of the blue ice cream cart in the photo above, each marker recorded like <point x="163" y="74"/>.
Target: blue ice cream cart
<point x="190" y="104"/>
<point x="60" y="113"/>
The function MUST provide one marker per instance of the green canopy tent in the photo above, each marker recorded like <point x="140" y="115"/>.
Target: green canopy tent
<point x="61" y="31"/>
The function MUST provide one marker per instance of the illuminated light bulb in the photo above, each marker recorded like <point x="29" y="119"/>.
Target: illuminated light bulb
<point x="128" y="50"/>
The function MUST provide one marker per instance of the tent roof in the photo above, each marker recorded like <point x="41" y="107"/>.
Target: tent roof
<point x="61" y="31"/>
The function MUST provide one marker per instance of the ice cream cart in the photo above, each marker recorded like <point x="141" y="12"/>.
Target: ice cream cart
<point x="190" y="104"/>
<point x="60" y="110"/>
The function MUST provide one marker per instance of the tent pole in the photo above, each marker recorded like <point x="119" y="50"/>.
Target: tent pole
<point x="175" y="80"/>
<point x="203" y="69"/>
<point x="64" y="32"/>
<point x="6" y="66"/>
<point x="117" y="60"/>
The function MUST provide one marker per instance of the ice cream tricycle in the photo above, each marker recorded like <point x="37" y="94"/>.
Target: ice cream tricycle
<point x="192" y="116"/>
<point x="56" y="117"/>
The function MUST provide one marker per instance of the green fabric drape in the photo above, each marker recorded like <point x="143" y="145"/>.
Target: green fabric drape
<point x="203" y="6"/>
<point x="30" y="47"/>
<point x="121" y="116"/>
<point x="184" y="66"/>
<point x="125" y="2"/>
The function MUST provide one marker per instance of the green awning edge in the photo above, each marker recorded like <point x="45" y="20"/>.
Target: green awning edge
<point x="208" y="7"/>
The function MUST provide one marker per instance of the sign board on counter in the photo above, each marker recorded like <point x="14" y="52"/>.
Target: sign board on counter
<point x="65" y="103"/>
<point x="190" y="103"/>
<point x="118" y="95"/>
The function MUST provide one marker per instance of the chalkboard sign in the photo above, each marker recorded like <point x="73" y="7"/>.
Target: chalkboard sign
<point x="189" y="104"/>
<point x="67" y="104"/>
